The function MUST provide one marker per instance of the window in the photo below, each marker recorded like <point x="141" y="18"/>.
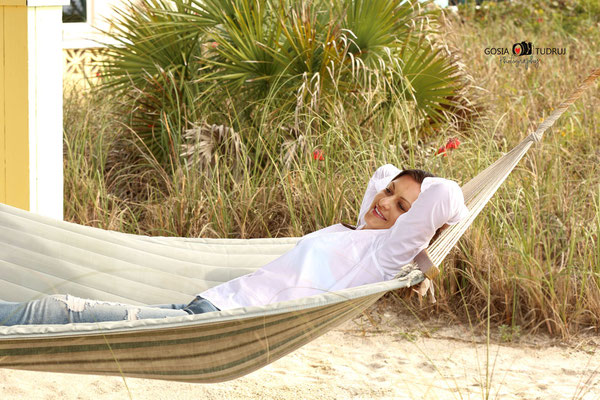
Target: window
<point x="75" y="12"/>
<point x="84" y="19"/>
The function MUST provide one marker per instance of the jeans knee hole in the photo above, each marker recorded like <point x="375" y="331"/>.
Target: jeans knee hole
<point x="133" y="314"/>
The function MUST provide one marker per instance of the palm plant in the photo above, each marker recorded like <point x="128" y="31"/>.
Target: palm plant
<point x="264" y="58"/>
<point x="152" y="68"/>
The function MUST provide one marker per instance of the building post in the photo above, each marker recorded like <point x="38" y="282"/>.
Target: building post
<point x="31" y="143"/>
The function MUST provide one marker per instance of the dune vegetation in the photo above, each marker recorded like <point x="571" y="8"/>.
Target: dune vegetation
<point x="247" y="119"/>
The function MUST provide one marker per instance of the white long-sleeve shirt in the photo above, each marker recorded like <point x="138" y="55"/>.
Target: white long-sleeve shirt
<point x="338" y="257"/>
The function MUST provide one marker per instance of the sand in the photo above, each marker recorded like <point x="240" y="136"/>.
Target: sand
<point x="399" y="358"/>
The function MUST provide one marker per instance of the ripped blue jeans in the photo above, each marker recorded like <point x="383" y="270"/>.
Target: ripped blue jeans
<point x="66" y="309"/>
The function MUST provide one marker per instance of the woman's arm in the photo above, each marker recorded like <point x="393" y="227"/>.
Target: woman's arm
<point x="378" y="181"/>
<point x="440" y="202"/>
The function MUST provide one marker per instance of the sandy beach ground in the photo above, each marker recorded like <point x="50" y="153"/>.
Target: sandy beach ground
<point x="399" y="358"/>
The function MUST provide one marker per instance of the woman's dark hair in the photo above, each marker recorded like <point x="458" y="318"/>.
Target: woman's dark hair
<point x="418" y="176"/>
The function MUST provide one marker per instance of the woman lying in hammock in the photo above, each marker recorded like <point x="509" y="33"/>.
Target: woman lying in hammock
<point x="401" y="212"/>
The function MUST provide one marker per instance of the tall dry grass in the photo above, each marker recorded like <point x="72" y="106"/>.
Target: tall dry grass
<point x="531" y="259"/>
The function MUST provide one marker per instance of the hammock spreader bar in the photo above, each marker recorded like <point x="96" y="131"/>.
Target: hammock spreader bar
<point x="39" y="255"/>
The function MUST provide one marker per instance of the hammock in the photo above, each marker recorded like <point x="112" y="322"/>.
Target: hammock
<point x="40" y="255"/>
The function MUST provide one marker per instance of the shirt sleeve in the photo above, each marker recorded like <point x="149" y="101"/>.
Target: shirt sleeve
<point x="440" y="202"/>
<point x="378" y="181"/>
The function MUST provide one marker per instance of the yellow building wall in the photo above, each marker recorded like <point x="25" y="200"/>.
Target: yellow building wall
<point x="81" y="67"/>
<point x="14" y="131"/>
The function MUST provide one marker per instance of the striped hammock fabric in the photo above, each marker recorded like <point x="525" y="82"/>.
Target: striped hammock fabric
<point x="40" y="255"/>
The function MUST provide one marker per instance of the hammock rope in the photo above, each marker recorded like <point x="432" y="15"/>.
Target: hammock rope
<point x="39" y="255"/>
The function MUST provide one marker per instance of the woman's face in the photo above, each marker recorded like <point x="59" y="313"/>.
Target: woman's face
<point x="393" y="201"/>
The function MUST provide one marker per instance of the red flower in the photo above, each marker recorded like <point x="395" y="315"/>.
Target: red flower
<point x="98" y="74"/>
<point x="453" y="143"/>
<point x="540" y="20"/>
<point x="213" y="44"/>
<point x="318" y="155"/>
